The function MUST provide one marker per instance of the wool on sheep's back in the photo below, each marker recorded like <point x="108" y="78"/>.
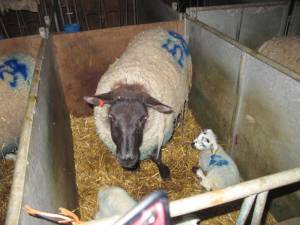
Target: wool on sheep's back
<point x="283" y="50"/>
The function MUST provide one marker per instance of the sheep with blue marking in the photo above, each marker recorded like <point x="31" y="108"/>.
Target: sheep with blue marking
<point x="16" y="72"/>
<point x="216" y="169"/>
<point x="140" y="96"/>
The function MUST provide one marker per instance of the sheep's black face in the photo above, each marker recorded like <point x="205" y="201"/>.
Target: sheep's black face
<point x="128" y="115"/>
<point x="127" y="120"/>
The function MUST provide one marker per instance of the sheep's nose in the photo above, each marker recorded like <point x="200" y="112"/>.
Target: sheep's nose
<point x="193" y="144"/>
<point x="128" y="157"/>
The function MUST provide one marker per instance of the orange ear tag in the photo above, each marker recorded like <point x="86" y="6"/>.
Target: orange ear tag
<point x="101" y="103"/>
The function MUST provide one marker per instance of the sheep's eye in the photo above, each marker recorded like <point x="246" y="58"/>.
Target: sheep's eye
<point x="207" y="140"/>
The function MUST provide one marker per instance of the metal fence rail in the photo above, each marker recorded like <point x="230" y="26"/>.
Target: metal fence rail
<point x="229" y="194"/>
<point x="256" y="188"/>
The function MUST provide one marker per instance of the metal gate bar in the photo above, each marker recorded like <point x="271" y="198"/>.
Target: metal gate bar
<point x="259" y="208"/>
<point x="203" y="201"/>
<point x="259" y="186"/>
<point x="245" y="209"/>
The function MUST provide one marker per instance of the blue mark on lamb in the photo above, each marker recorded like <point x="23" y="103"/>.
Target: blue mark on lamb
<point x="14" y="68"/>
<point x="216" y="160"/>
<point x="177" y="47"/>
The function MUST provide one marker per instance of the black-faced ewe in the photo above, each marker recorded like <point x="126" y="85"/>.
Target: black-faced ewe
<point x="140" y="96"/>
<point x="216" y="169"/>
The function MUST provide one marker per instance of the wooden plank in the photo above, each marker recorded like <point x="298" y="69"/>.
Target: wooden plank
<point x="27" y="45"/>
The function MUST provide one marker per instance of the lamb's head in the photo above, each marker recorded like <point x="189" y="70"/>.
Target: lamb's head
<point x="128" y="114"/>
<point x="206" y="140"/>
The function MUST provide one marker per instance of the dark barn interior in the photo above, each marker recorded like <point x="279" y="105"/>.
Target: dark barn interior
<point x="245" y="86"/>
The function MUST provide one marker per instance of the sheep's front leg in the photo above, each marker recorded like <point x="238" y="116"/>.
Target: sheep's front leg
<point x="200" y="174"/>
<point x="164" y="171"/>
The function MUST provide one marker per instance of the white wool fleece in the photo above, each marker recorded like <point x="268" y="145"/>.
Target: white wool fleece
<point x="160" y="61"/>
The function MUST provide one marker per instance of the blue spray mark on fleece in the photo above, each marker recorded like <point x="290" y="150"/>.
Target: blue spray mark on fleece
<point x="216" y="160"/>
<point x="14" y="68"/>
<point x="177" y="47"/>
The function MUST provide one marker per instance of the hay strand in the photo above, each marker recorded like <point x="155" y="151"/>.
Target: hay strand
<point x="6" y="177"/>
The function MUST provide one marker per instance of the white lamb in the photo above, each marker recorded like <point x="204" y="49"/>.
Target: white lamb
<point x="115" y="202"/>
<point x="216" y="169"/>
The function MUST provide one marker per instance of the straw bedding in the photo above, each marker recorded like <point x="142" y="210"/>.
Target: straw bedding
<point x="96" y="166"/>
<point x="6" y="177"/>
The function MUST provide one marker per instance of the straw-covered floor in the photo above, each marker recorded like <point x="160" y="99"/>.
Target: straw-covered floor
<point x="96" y="166"/>
<point x="6" y="177"/>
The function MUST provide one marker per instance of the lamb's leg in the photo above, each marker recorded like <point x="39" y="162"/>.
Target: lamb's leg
<point x="194" y="169"/>
<point x="200" y="174"/>
<point x="205" y="181"/>
<point x="164" y="171"/>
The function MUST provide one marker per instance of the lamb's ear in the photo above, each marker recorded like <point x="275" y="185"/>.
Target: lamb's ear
<point x="157" y="105"/>
<point x="100" y="100"/>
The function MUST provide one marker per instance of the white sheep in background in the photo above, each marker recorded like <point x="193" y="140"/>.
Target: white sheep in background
<point x="16" y="72"/>
<point x="114" y="201"/>
<point x="216" y="169"/>
<point x="30" y="5"/>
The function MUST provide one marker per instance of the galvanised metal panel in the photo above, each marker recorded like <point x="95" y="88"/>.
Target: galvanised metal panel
<point x="261" y="23"/>
<point x="250" y="24"/>
<point x="215" y="73"/>
<point x="224" y="20"/>
<point x="155" y="11"/>
<point x="50" y="179"/>
<point x="268" y="125"/>
<point x="49" y="163"/>
<point x="294" y="27"/>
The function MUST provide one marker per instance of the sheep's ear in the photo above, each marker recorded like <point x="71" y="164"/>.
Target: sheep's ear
<point x="108" y="97"/>
<point x="157" y="105"/>
<point x="100" y="100"/>
<point x="92" y="101"/>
